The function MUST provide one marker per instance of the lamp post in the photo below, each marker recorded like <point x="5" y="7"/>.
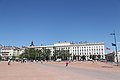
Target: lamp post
<point x="114" y="35"/>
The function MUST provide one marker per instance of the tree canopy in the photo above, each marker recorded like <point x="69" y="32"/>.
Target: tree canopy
<point x="35" y="54"/>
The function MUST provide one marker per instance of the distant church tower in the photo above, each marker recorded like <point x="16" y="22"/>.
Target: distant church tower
<point x="32" y="44"/>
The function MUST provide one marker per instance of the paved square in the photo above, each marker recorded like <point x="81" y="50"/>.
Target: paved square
<point x="58" y="71"/>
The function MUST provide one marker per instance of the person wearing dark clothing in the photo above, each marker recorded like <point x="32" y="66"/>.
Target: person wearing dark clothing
<point x="9" y="62"/>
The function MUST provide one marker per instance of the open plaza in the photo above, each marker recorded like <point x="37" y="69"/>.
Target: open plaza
<point x="82" y="70"/>
<point x="60" y="40"/>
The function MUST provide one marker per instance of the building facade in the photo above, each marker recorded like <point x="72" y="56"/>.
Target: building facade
<point x="10" y="51"/>
<point x="77" y="49"/>
<point x="112" y="57"/>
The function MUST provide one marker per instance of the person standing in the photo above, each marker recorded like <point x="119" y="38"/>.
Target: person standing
<point x="9" y="61"/>
<point x="67" y="63"/>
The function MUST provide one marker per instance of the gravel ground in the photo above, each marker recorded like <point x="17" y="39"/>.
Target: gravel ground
<point x="58" y="71"/>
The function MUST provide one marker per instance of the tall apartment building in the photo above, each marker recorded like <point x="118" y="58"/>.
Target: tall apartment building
<point x="77" y="49"/>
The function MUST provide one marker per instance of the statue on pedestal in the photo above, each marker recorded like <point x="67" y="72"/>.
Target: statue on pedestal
<point x="32" y="44"/>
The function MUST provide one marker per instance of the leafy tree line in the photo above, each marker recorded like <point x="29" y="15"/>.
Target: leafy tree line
<point x="35" y="54"/>
<point x="45" y="54"/>
<point x="62" y="54"/>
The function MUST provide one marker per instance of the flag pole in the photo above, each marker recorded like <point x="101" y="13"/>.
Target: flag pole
<point x="115" y="46"/>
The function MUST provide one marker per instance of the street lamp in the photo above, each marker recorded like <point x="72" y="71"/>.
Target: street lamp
<point x="115" y="44"/>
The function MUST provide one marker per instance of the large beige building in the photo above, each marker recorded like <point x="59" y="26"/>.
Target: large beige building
<point x="77" y="49"/>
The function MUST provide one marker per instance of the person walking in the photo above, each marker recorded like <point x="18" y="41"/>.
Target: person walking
<point x="9" y="61"/>
<point x="67" y="63"/>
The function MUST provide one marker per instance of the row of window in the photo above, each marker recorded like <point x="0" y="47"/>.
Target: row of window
<point x="82" y="48"/>
<point x="88" y="50"/>
<point x="88" y="54"/>
<point x="87" y="47"/>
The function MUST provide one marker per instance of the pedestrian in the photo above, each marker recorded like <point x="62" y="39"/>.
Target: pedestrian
<point x="41" y="61"/>
<point x="9" y="62"/>
<point x="67" y="63"/>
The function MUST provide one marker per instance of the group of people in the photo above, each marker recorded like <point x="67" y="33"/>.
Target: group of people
<point x="66" y="63"/>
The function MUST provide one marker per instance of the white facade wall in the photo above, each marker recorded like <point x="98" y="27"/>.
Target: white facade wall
<point x="9" y="51"/>
<point x="86" y="49"/>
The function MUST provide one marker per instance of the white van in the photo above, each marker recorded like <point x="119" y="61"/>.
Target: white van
<point x="58" y="60"/>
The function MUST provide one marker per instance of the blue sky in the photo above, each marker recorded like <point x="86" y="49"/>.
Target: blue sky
<point x="49" y="21"/>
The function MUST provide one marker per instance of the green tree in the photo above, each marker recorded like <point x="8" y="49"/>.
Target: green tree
<point x="93" y="57"/>
<point x="99" y="56"/>
<point x="56" y="54"/>
<point x="46" y="53"/>
<point x="38" y="55"/>
<point x="83" y="57"/>
<point x="65" y="55"/>
<point x="30" y="54"/>
<point x="74" y="57"/>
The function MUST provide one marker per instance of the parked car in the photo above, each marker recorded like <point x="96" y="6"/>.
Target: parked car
<point x="59" y="60"/>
